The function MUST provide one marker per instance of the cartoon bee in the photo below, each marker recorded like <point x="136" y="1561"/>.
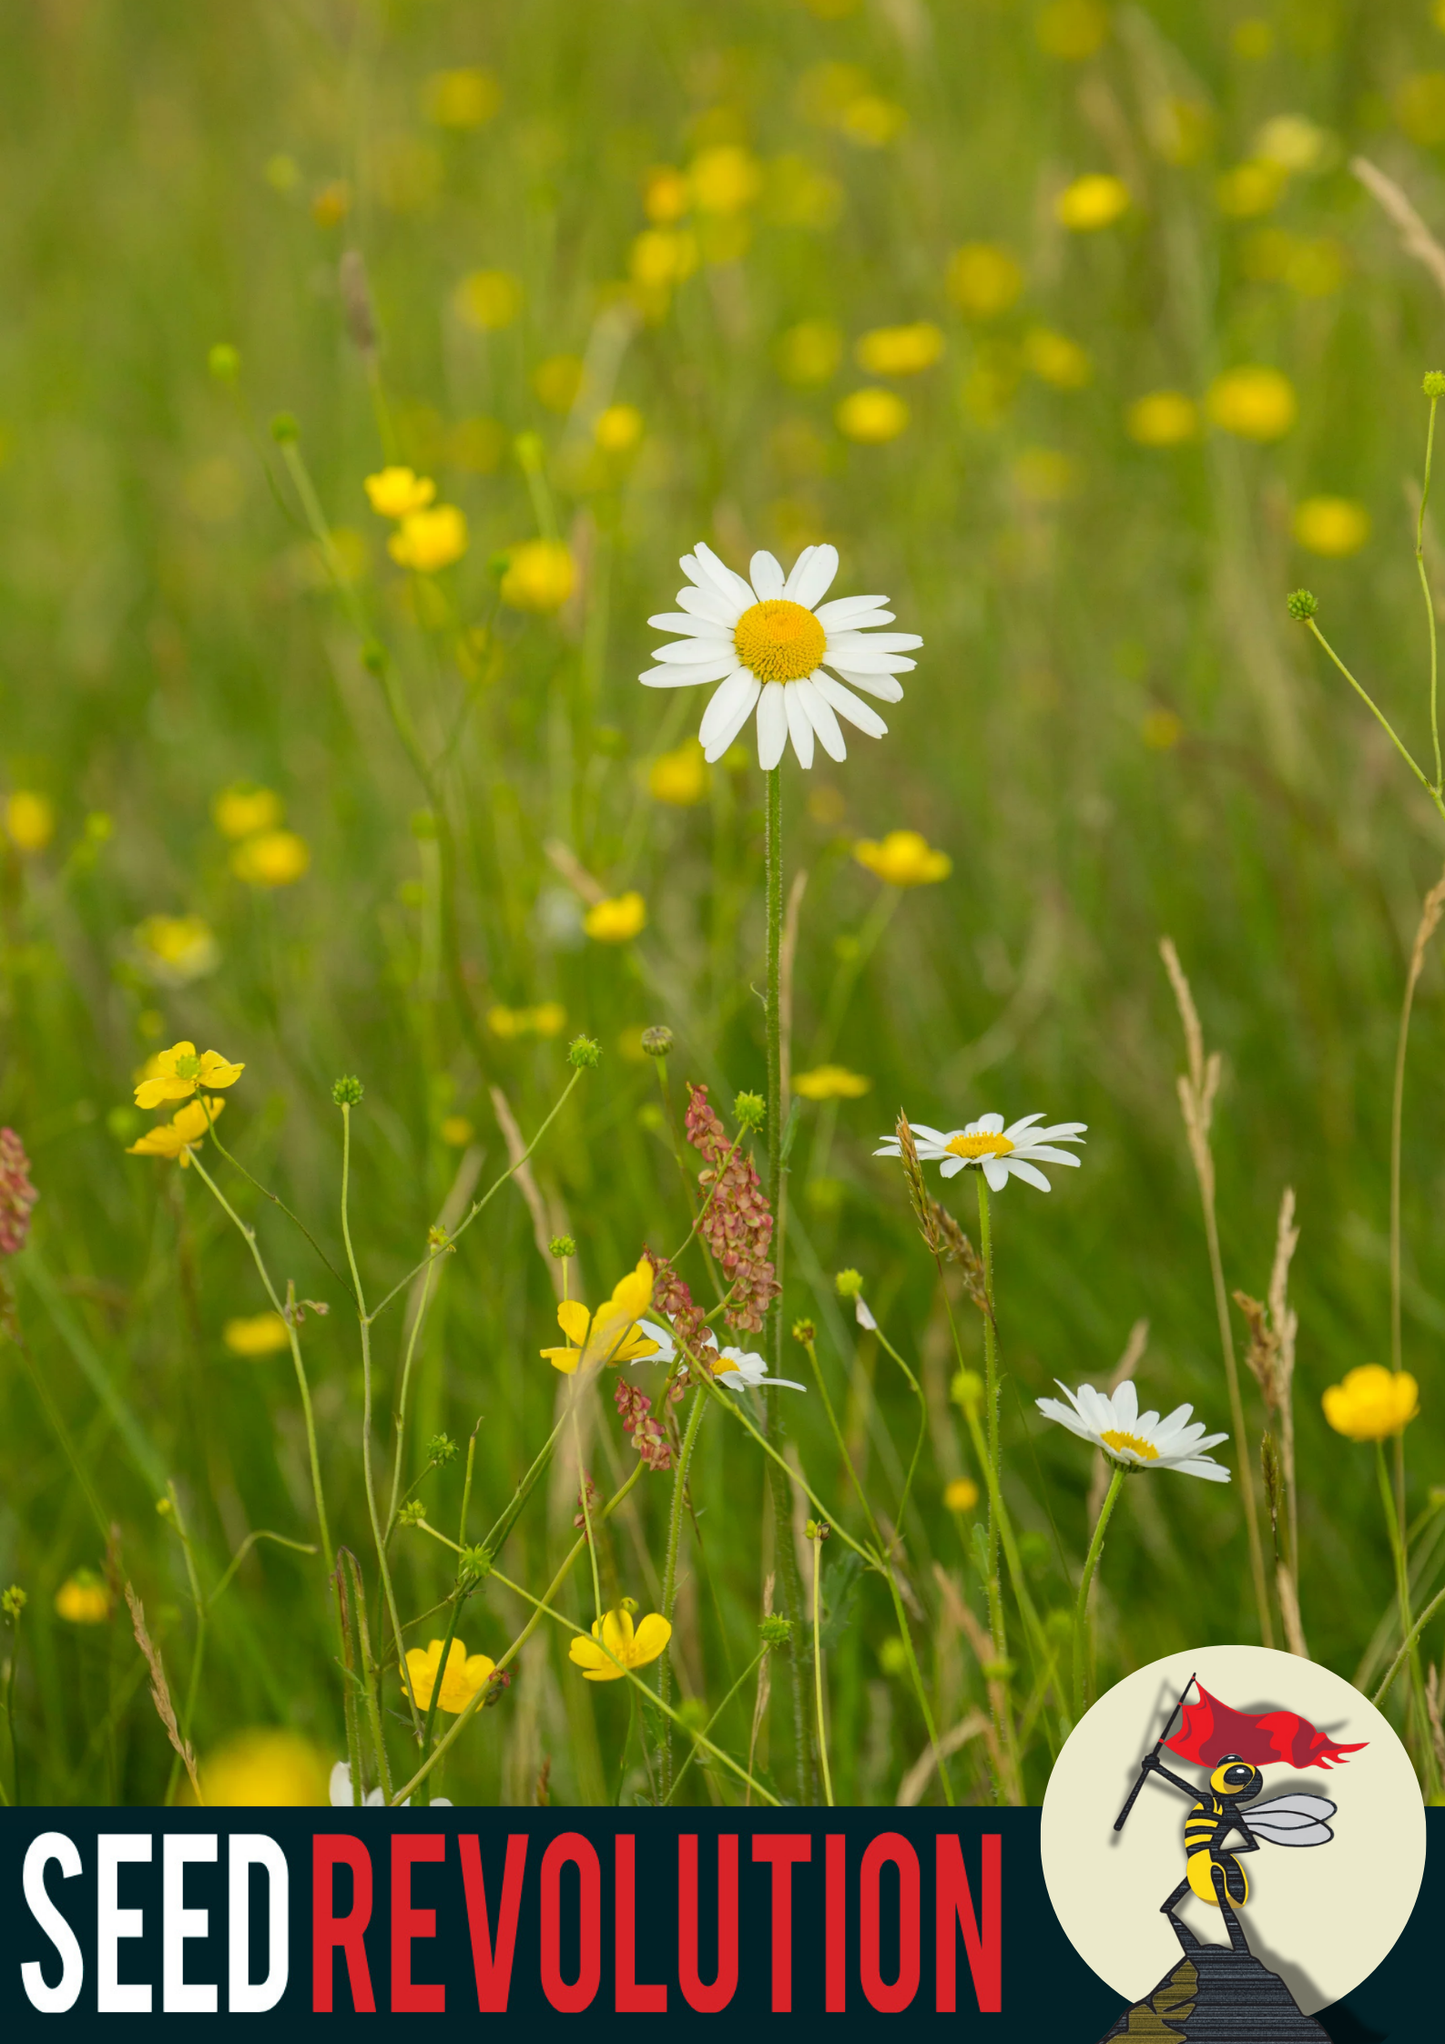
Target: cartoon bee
<point x="1213" y="1873"/>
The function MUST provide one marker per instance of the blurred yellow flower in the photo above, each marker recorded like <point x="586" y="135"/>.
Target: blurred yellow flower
<point x="1253" y="403"/>
<point x="961" y="1495"/>
<point x="725" y="179"/>
<point x="1332" y="526"/>
<point x="487" y="300"/>
<point x="1420" y="108"/>
<point x="547" y="1019"/>
<point x="456" y="1131"/>
<point x="899" y="350"/>
<point x="462" y="1677"/>
<point x="257" y="1334"/>
<point x="175" y="1074"/>
<point x="1180" y="128"/>
<point x="477" y="445"/>
<point x="801" y="195"/>
<point x="618" y="429"/>
<point x="679" y="777"/>
<point x="539" y="576"/>
<point x="662" y="255"/>
<point x="275" y="858"/>
<point x="1250" y="189"/>
<point x="557" y="381"/>
<point x="831" y="1082"/>
<point x="871" y="121"/>
<point x="1292" y="142"/>
<point x="1252" y="39"/>
<point x="83" y="1598"/>
<point x="904" y="858"/>
<point x="809" y="353"/>
<point x="178" y="949"/>
<point x="29" y="820"/>
<point x="619" y="1643"/>
<point x="429" y="540"/>
<point x="243" y="810"/>
<point x="1072" y="29"/>
<point x="983" y="280"/>
<point x="617" y="919"/>
<point x="872" y="415"/>
<point x="332" y="203"/>
<point x="1055" y="359"/>
<point x="265" y="1767"/>
<point x="615" y="1333"/>
<point x="1162" y="418"/>
<point x="665" y="194"/>
<point x="1161" y="730"/>
<point x="1372" y="1403"/>
<point x="462" y="99"/>
<point x="176" y="1139"/>
<point x="1091" y="202"/>
<point x="1045" y="475"/>
<point x="397" y="492"/>
<point x="1314" y="266"/>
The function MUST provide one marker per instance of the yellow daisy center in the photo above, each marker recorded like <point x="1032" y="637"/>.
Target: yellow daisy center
<point x="1116" y="1438"/>
<point x="779" y="640"/>
<point x="983" y="1145"/>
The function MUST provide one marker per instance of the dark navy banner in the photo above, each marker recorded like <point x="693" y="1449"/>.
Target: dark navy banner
<point x="864" y="1915"/>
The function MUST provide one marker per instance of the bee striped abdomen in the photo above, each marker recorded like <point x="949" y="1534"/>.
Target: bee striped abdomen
<point x="1200" y="1828"/>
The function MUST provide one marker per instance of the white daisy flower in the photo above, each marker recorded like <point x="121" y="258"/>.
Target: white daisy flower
<point x="339" y="1789"/>
<point x="768" y="642"/>
<point x="1133" y="1439"/>
<point x="739" y="1369"/>
<point x="999" y="1152"/>
<point x="666" y="1346"/>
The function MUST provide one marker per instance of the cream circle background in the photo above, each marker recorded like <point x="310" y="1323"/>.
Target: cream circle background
<point x="1322" y="1917"/>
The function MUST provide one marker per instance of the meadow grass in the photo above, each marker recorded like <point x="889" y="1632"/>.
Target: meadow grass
<point x="1115" y="732"/>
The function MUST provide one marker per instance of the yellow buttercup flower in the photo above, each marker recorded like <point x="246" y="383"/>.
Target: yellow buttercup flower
<point x="29" y="820"/>
<point x="617" y="919"/>
<point x="662" y="255"/>
<point x="429" y="540"/>
<point x="257" y="1334"/>
<point x="83" y="1599"/>
<point x="903" y="859"/>
<point x="549" y="1018"/>
<point x="983" y="280"/>
<point x="872" y="416"/>
<point x="464" y="98"/>
<point x="1372" y="1403"/>
<point x="1250" y="189"/>
<point x="1162" y="418"/>
<point x="462" y="1677"/>
<point x="808" y="353"/>
<point x="665" y="194"/>
<point x="1252" y="402"/>
<point x="488" y="300"/>
<point x="615" y="1333"/>
<point x="1072" y="29"/>
<point x="831" y="1082"/>
<point x="961" y="1495"/>
<point x="398" y="492"/>
<point x="539" y="577"/>
<point x="176" y="1139"/>
<point x="265" y="1767"/>
<point x="274" y="859"/>
<point x="1092" y="202"/>
<point x="724" y="180"/>
<point x="178" y="949"/>
<point x="557" y="381"/>
<point x="616" y="1640"/>
<point x="244" y="810"/>
<point x="899" y="350"/>
<point x="177" y="1073"/>
<point x="1332" y="526"/>
<point x="456" y="1131"/>
<point x="1055" y="359"/>
<point x="618" y="429"/>
<point x="679" y="777"/>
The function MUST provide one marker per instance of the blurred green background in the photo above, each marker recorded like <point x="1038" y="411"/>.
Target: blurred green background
<point x="654" y="236"/>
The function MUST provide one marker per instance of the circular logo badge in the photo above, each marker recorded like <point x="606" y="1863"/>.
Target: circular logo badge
<point x="1228" y="1825"/>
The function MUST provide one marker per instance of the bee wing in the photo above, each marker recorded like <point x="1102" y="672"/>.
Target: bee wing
<point x="1292" y="1820"/>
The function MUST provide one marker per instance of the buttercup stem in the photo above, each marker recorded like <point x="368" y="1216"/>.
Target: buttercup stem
<point x="586" y="1514"/>
<point x="1378" y="713"/>
<point x="401" y="1398"/>
<point x="1082" y="1656"/>
<point x="1395" y="1526"/>
<point x="669" y="1574"/>
<point x="818" y="1672"/>
<point x="1429" y="599"/>
<point x="746" y="1675"/>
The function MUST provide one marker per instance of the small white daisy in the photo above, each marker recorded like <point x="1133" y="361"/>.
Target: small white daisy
<point x="999" y="1152"/>
<point x="339" y="1789"/>
<point x="743" y="1369"/>
<point x="768" y="642"/>
<point x="1133" y="1439"/>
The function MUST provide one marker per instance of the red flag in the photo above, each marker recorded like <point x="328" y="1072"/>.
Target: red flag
<point x="1211" y="1729"/>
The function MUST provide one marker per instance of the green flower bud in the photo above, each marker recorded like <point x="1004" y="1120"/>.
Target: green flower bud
<point x="374" y="657"/>
<point x="412" y="1513"/>
<point x="751" y="1110"/>
<point x="775" y="1630"/>
<point x="285" y="428"/>
<point x="848" y="1284"/>
<point x="805" y="1333"/>
<point x="347" y="1092"/>
<point x="585" y="1054"/>
<point x="967" y="1390"/>
<point x="563" y="1245"/>
<point x="224" y="362"/>
<point x="13" y="1601"/>
<point x="657" y="1041"/>
<point x="1301" y="605"/>
<point x="1434" y="383"/>
<point x="441" y="1449"/>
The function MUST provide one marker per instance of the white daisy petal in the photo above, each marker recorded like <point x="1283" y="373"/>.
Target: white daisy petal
<point x="875" y="642"/>
<point x="951" y="1166"/>
<point x="1051" y="1409"/>
<point x="765" y="572"/>
<point x="684" y="677"/>
<point x="996" y="1172"/>
<point x="696" y="653"/>
<point x="691" y="627"/>
<point x="772" y="726"/>
<point x="1018" y="1168"/>
<point x="1016" y="1128"/>
<point x="1215" y="1472"/>
<point x="848" y="706"/>
<point x="825" y="723"/>
<point x="843" y="612"/>
<point x="800" y="724"/>
<point x="883" y="686"/>
<point x="1126" y="1402"/>
<point x="721" y="577"/>
<point x="986" y="1125"/>
<point x="707" y="603"/>
<point x="812" y="575"/>
<point x="1040" y="1153"/>
<point x="727" y="713"/>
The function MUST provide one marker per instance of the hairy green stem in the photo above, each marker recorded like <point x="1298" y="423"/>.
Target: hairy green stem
<point x="818" y="1666"/>
<point x="1082" y="1656"/>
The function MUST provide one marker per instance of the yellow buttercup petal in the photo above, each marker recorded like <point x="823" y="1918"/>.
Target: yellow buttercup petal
<point x="616" y="1633"/>
<point x="563" y="1359"/>
<point x="589" y="1657"/>
<point x="218" y="1071"/>
<point x="633" y="1294"/>
<point x="650" y="1638"/>
<point x="573" y="1319"/>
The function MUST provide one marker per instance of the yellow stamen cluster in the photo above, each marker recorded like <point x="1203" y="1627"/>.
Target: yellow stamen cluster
<point x="779" y="640"/>
<point x="983" y="1145"/>
<point x="1117" y="1439"/>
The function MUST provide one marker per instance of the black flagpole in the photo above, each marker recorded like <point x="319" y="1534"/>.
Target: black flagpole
<point x="1143" y="1770"/>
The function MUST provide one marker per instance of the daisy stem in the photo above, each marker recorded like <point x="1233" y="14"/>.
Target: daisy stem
<point x="10" y="1709"/>
<point x="990" y="1371"/>
<point x="818" y="1532"/>
<point x="1395" y="1526"/>
<point x="1429" y="599"/>
<point x="669" y="1574"/>
<point x="1082" y="1654"/>
<point x="789" y="1579"/>
<point x="401" y="1397"/>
